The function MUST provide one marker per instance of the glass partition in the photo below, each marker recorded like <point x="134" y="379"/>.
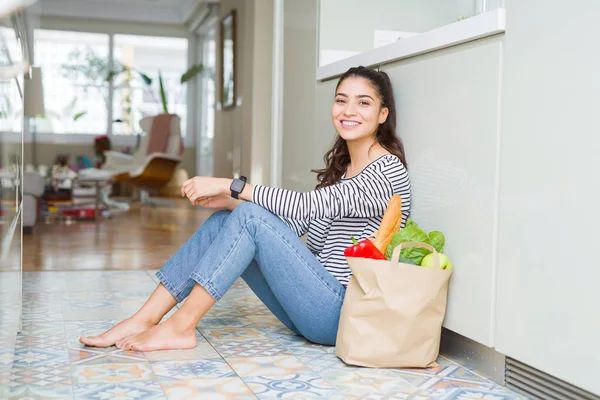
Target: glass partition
<point x="13" y="64"/>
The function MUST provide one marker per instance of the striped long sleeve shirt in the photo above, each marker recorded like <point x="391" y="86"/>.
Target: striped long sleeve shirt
<point x="333" y="214"/>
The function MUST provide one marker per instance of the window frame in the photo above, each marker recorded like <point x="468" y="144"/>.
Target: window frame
<point x="111" y="29"/>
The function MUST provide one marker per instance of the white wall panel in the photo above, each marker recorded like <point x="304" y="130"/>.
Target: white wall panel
<point x="447" y="105"/>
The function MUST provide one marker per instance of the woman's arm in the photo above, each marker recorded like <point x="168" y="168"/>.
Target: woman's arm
<point x="365" y="195"/>
<point x="359" y="198"/>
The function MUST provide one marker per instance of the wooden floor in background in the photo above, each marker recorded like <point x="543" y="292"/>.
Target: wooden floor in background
<point x="139" y="239"/>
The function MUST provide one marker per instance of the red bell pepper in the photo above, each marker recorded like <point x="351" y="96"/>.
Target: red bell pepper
<point x="364" y="249"/>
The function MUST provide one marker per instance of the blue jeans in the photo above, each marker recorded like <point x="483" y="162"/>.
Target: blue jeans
<point x="255" y="244"/>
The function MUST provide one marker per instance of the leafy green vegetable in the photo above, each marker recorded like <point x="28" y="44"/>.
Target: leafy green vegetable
<point x="412" y="233"/>
<point x="407" y="261"/>
<point x="437" y="240"/>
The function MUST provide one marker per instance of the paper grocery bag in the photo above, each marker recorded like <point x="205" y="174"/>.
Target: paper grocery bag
<point x="392" y="312"/>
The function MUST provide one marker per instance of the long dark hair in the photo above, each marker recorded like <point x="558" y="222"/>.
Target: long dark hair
<point x="338" y="157"/>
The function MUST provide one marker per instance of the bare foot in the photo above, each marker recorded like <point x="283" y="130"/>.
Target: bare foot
<point x="169" y="335"/>
<point x="130" y="326"/>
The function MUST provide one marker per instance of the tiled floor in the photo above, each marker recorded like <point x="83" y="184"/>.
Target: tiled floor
<point x="243" y="352"/>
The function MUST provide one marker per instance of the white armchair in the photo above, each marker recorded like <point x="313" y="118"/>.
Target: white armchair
<point x="147" y="168"/>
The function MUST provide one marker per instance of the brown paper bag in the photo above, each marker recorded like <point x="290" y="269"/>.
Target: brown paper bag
<point x="392" y="312"/>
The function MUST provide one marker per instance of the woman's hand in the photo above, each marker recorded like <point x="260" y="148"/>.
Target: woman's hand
<point x="220" y="201"/>
<point x="204" y="187"/>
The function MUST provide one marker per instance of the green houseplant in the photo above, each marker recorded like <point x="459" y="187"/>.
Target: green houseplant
<point x="97" y="71"/>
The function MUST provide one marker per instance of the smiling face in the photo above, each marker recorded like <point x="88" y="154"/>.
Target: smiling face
<point x="357" y="110"/>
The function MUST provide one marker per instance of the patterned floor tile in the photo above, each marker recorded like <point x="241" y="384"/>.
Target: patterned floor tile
<point x="222" y="310"/>
<point x="89" y="304"/>
<point x="320" y="362"/>
<point x="463" y="373"/>
<point x="409" y="394"/>
<point x="76" y="329"/>
<point x="208" y="388"/>
<point x="444" y="367"/>
<point x="89" y="327"/>
<point x="40" y="393"/>
<point x="472" y="394"/>
<point x="282" y="376"/>
<point x="76" y="355"/>
<point x="5" y="376"/>
<point x="116" y="356"/>
<point x="240" y="294"/>
<point x="250" y="348"/>
<point x="144" y="288"/>
<point x="366" y="381"/>
<point x="240" y="283"/>
<point x="300" y="346"/>
<point x="139" y="295"/>
<point x="36" y="356"/>
<point x="41" y="316"/>
<point x="417" y="380"/>
<point x="51" y="380"/>
<point x="55" y="341"/>
<point x="447" y="384"/>
<point x="250" y="332"/>
<point x="279" y="332"/>
<point x="251" y="309"/>
<point x="188" y="369"/>
<point x="41" y="376"/>
<point x="111" y="373"/>
<point x="95" y="314"/>
<point x="223" y="322"/>
<point x="265" y="320"/>
<point x="45" y="312"/>
<point x="74" y="297"/>
<point x="32" y="305"/>
<point x="65" y="281"/>
<point x="121" y="391"/>
<point x="7" y="356"/>
<point x="242" y="348"/>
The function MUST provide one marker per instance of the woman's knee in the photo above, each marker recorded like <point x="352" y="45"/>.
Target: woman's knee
<point x="217" y="220"/>
<point x="248" y="211"/>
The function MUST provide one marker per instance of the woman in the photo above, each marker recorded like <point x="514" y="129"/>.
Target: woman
<point x="257" y="238"/>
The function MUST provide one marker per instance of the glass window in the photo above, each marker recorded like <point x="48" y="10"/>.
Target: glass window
<point x="136" y="57"/>
<point x="74" y="67"/>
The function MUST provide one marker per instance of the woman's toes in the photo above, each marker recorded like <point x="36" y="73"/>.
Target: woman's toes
<point x="129" y="345"/>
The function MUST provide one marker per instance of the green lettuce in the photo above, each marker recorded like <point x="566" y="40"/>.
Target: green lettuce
<point x="412" y="233"/>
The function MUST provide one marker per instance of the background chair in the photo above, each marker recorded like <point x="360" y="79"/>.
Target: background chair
<point x="152" y="166"/>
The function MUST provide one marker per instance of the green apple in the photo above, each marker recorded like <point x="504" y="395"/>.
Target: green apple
<point x="429" y="261"/>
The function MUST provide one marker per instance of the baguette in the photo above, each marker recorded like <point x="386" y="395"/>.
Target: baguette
<point x="390" y="224"/>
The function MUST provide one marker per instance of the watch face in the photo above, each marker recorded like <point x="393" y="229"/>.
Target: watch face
<point x="237" y="185"/>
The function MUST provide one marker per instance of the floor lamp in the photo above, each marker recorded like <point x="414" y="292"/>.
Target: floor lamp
<point x="33" y="106"/>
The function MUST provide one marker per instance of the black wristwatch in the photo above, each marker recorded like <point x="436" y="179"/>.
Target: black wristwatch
<point x="237" y="186"/>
